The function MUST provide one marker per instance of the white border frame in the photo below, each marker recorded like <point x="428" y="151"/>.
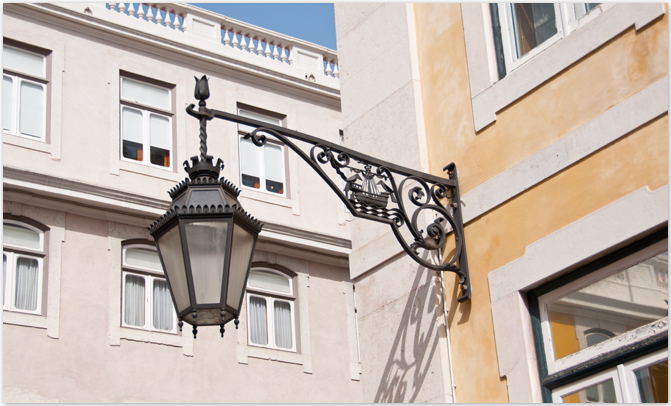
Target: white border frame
<point x="148" y="308"/>
<point x="16" y="96"/>
<point x="11" y="281"/>
<point x="629" y="378"/>
<point x="585" y="383"/>
<point x="270" y="322"/>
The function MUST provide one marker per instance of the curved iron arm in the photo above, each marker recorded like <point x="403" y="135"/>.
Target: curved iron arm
<point x="361" y="195"/>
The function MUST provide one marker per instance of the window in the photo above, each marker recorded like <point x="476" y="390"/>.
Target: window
<point x="612" y="320"/>
<point x="23" y="267"/>
<point x="24" y="92"/>
<point x="261" y="168"/>
<point x="528" y="28"/>
<point x="270" y="310"/>
<point x="146" y="122"/>
<point x="146" y="300"/>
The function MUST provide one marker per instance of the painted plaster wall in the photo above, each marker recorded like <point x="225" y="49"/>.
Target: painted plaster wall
<point x="89" y="123"/>
<point x="82" y="366"/>
<point x="399" y="307"/>
<point x="622" y="67"/>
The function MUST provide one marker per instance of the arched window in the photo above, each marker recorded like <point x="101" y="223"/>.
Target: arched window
<point x="23" y="262"/>
<point x="271" y="319"/>
<point x="146" y="302"/>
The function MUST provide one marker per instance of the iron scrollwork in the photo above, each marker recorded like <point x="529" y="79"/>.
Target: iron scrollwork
<point x="373" y="189"/>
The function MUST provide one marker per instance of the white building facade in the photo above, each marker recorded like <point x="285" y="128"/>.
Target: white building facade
<point x="94" y="135"/>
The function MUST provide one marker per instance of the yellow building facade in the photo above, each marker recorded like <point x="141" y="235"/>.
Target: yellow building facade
<point x="556" y="116"/>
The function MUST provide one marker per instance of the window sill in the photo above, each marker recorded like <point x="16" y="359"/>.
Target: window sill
<point x="24" y="319"/>
<point x="154" y="337"/>
<point x="275" y="355"/>
<point x="267" y="198"/>
<point x="165" y="174"/>
<point x="30" y="143"/>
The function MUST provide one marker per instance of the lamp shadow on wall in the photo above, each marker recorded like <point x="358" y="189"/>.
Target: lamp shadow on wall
<point x="415" y="343"/>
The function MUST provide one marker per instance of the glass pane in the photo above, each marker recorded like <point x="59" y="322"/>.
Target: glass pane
<point x="160" y="135"/>
<point x="258" y="325"/>
<point x="143" y="257"/>
<point x="134" y="300"/>
<point x="282" y="320"/>
<point x="274" y="163"/>
<point x="22" y="61"/>
<point x="144" y="93"/>
<point x="534" y="23"/>
<point x="20" y="236"/>
<point x="7" y="102"/>
<point x="31" y="109"/>
<point x="609" y="307"/>
<point x="600" y="393"/>
<point x="269" y="280"/>
<point x="250" y="165"/>
<point x="207" y="251"/>
<point x="27" y="279"/>
<point x="241" y="255"/>
<point x="256" y="116"/>
<point x="170" y="246"/>
<point x="653" y="383"/>
<point x="162" y="306"/>
<point x="132" y="133"/>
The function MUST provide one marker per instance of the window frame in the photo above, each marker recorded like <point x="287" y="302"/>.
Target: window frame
<point x="611" y="355"/>
<point x="271" y="296"/>
<point x="12" y="252"/>
<point x="242" y="131"/>
<point x="146" y="111"/>
<point x="19" y="77"/>
<point x="149" y="275"/>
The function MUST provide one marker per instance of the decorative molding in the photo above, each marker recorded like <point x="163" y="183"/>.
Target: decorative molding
<point x="611" y="125"/>
<point x="546" y="64"/>
<point x="581" y="240"/>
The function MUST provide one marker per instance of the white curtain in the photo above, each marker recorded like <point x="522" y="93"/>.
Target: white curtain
<point x="162" y="305"/>
<point x="283" y="324"/>
<point x="258" y="330"/>
<point x="134" y="301"/>
<point x="27" y="278"/>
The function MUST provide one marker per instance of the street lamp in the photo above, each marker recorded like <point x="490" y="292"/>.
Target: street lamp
<point x="206" y="240"/>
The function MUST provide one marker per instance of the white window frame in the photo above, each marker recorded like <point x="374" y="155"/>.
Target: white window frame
<point x="18" y="78"/>
<point x="628" y="373"/>
<point x="149" y="275"/>
<point x="242" y="130"/>
<point x="12" y="257"/>
<point x="147" y="111"/>
<point x="590" y="352"/>
<point x="271" y="296"/>
<point x="508" y="36"/>
<point x="596" y="379"/>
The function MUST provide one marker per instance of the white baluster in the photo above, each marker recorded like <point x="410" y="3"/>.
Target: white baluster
<point x="227" y="40"/>
<point x="168" y="19"/>
<point x="131" y="10"/>
<point x="159" y="17"/>
<point x="259" y="47"/>
<point x="150" y="13"/>
<point x="122" y="8"/>
<point x="112" y="6"/>
<point x="276" y="55"/>
<point x="291" y="56"/>
<point x="328" y="67"/>
<point x="283" y="54"/>
<point x="336" y="72"/>
<point x="176" y="23"/>
<point x="140" y="11"/>
<point x="235" y="41"/>
<point x="243" y="44"/>
<point x="267" y="52"/>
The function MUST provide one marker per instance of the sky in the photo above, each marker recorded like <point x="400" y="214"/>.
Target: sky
<point x="313" y="22"/>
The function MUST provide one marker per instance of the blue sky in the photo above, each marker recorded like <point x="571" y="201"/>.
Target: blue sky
<point x="314" y="22"/>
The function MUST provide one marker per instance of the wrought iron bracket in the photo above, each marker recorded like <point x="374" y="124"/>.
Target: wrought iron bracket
<point x="373" y="189"/>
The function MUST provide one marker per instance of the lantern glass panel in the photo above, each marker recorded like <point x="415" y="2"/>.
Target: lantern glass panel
<point x="207" y="252"/>
<point x="170" y="247"/>
<point x="241" y="253"/>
